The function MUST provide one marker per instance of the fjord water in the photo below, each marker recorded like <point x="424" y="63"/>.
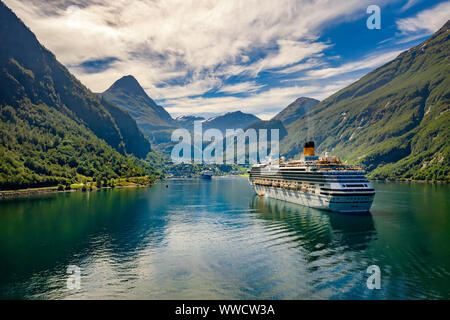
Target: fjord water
<point x="199" y="239"/>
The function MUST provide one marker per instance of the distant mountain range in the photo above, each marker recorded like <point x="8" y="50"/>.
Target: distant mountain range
<point x="155" y="122"/>
<point x="231" y="120"/>
<point x="269" y="125"/>
<point x="187" y="122"/>
<point x="395" y="121"/>
<point x="52" y="127"/>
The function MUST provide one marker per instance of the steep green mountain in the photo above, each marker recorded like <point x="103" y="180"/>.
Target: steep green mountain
<point x="129" y="94"/>
<point x="394" y="121"/>
<point x="52" y="128"/>
<point x="154" y="121"/>
<point x="41" y="146"/>
<point x="31" y="73"/>
<point x="296" y="109"/>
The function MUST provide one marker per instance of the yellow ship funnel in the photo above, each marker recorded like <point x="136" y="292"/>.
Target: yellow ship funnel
<point x="308" y="149"/>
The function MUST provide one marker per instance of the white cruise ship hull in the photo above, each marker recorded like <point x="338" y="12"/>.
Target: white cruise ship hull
<point x="343" y="204"/>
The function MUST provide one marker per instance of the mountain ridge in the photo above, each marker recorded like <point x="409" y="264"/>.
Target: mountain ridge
<point x="296" y="109"/>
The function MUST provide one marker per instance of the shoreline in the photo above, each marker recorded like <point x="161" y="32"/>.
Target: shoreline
<point x="411" y="181"/>
<point x="11" y="194"/>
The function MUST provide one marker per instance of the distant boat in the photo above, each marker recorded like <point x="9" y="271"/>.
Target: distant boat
<point x="207" y="174"/>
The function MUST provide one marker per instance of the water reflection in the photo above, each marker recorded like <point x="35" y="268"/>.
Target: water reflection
<point x="201" y="239"/>
<point x="42" y="235"/>
<point x="332" y="247"/>
<point x="317" y="228"/>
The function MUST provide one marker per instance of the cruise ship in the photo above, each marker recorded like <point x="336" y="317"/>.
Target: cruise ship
<point x="323" y="183"/>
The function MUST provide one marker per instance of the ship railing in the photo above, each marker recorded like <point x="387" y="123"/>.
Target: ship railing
<point x="285" y="184"/>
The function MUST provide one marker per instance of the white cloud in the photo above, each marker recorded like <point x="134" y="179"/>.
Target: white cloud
<point x="195" y="41"/>
<point x="263" y="104"/>
<point x="309" y="64"/>
<point x="241" y="87"/>
<point x="410" y="4"/>
<point x="369" y="62"/>
<point x="428" y="21"/>
<point x="181" y="49"/>
<point x="288" y="53"/>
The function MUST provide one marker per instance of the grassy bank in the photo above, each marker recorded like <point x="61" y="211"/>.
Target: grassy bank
<point x="89" y="186"/>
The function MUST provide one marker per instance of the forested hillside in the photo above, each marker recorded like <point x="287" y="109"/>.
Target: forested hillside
<point x="29" y="72"/>
<point x="53" y="129"/>
<point x="394" y="121"/>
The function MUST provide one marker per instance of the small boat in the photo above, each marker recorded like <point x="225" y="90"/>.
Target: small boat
<point x="207" y="174"/>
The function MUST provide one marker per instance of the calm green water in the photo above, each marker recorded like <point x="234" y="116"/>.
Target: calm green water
<point x="214" y="239"/>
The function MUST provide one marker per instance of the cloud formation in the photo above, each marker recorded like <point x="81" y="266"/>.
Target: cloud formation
<point x="370" y="62"/>
<point x="206" y="56"/>
<point x="427" y="21"/>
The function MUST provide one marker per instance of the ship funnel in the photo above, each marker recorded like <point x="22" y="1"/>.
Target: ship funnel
<point x="308" y="149"/>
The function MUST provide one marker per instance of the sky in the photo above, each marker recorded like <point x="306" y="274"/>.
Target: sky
<point x="209" y="57"/>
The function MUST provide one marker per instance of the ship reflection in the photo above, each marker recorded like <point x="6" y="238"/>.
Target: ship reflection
<point x="315" y="230"/>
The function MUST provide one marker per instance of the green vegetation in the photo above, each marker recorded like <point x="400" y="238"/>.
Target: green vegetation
<point x="29" y="73"/>
<point x="394" y="121"/>
<point x="193" y="169"/>
<point x="40" y="146"/>
<point x="53" y="130"/>
<point x="296" y="109"/>
<point x="164" y="164"/>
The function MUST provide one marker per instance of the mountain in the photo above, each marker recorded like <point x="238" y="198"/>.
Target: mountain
<point x="31" y="73"/>
<point x="231" y="120"/>
<point x="266" y="125"/>
<point x="296" y="109"/>
<point x="52" y="127"/>
<point x="129" y="95"/>
<point x="187" y="122"/>
<point x="269" y="125"/>
<point x="394" y="121"/>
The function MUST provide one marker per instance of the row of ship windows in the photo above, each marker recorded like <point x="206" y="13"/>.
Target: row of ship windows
<point x="308" y="178"/>
<point x="319" y="173"/>
<point x="345" y="190"/>
<point x="355" y="185"/>
<point x="292" y="174"/>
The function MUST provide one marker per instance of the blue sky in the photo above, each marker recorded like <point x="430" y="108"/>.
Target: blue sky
<point x="208" y="57"/>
